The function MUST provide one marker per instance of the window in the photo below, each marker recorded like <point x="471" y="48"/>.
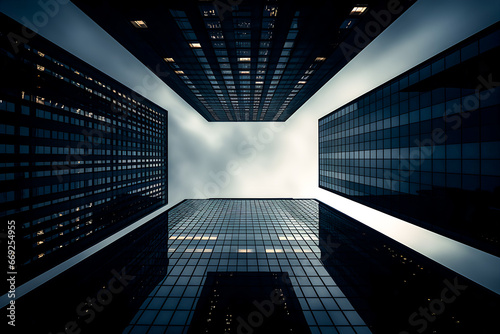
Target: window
<point x="244" y="59"/>
<point x="213" y="24"/>
<point x="242" y="23"/>
<point x="271" y="11"/>
<point x="358" y="10"/>
<point x="139" y="24"/>
<point x="169" y="60"/>
<point x="195" y="45"/>
<point x="347" y="24"/>
<point x="216" y="34"/>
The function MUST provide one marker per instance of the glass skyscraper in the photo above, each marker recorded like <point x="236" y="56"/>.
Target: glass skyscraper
<point x="331" y="274"/>
<point x="425" y="146"/>
<point x="257" y="266"/>
<point x="82" y="155"/>
<point x="256" y="60"/>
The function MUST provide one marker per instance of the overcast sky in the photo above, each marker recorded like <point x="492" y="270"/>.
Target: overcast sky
<point x="280" y="159"/>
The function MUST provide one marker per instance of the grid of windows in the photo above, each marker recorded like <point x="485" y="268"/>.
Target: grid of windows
<point x="82" y="145"/>
<point x="245" y="236"/>
<point x="424" y="139"/>
<point x="255" y="61"/>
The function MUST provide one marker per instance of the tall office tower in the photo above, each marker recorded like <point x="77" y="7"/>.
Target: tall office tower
<point x="246" y="266"/>
<point x="82" y="155"/>
<point x="102" y="292"/>
<point x="257" y="266"/>
<point x="299" y="266"/>
<point x="240" y="60"/>
<point x="425" y="146"/>
<point x="396" y="289"/>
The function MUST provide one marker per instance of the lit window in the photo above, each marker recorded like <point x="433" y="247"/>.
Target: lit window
<point x="271" y="11"/>
<point x="347" y="24"/>
<point x="169" y="60"/>
<point x="259" y="82"/>
<point x="139" y="24"/>
<point x="244" y="59"/>
<point x="195" y="45"/>
<point x="244" y="72"/>
<point x="358" y="10"/>
<point x="179" y="72"/>
<point x="320" y="59"/>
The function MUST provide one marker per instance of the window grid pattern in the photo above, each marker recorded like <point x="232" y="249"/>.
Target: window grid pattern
<point x="245" y="235"/>
<point x="419" y="134"/>
<point x="78" y="157"/>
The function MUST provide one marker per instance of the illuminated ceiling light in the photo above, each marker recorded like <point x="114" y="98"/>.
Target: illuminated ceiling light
<point x="169" y="60"/>
<point x="195" y="45"/>
<point x="244" y="59"/>
<point x="244" y="72"/>
<point x="179" y="72"/>
<point x="139" y="24"/>
<point x="259" y="82"/>
<point x="358" y="10"/>
<point x="302" y="82"/>
<point x="320" y="59"/>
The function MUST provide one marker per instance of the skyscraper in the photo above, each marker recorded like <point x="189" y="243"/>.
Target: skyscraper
<point x="396" y="289"/>
<point x="228" y="258"/>
<point x="257" y="266"/>
<point x="425" y="146"/>
<point x="102" y="292"/>
<point x="245" y="60"/>
<point x="82" y="155"/>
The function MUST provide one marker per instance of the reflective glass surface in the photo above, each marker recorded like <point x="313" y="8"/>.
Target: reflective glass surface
<point x="241" y="236"/>
<point x="425" y="146"/>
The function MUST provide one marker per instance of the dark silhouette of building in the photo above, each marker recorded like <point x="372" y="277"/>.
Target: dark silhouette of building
<point x="425" y="146"/>
<point x="244" y="60"/>
<point x="102" y="293"/>
<point x="396" y="289"/>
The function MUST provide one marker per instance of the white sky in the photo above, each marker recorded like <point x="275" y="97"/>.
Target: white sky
<point x="283" y="162"/>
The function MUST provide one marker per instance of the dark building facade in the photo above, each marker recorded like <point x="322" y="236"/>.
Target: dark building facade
<point x="82" y="155"/>
<point x="103" y="292"/>
<point x="244" y="60"/>
<point x="257" y="266"/>
<point x="396" y="289"/>
<point x="425" y="146"/>
<point x="299" y="266"/>
<point x="246" y="266"/>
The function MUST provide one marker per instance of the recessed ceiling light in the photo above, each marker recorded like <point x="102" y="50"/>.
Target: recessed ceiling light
<point x="195" y="45"/>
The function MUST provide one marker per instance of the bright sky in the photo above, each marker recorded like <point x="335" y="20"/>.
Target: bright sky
<point x="281" y="159"/>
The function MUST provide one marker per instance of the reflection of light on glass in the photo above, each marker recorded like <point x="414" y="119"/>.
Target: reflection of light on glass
<point x="282" y="238"/>
<point x="242" y="250"/>
<point x="171" y="250"/>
